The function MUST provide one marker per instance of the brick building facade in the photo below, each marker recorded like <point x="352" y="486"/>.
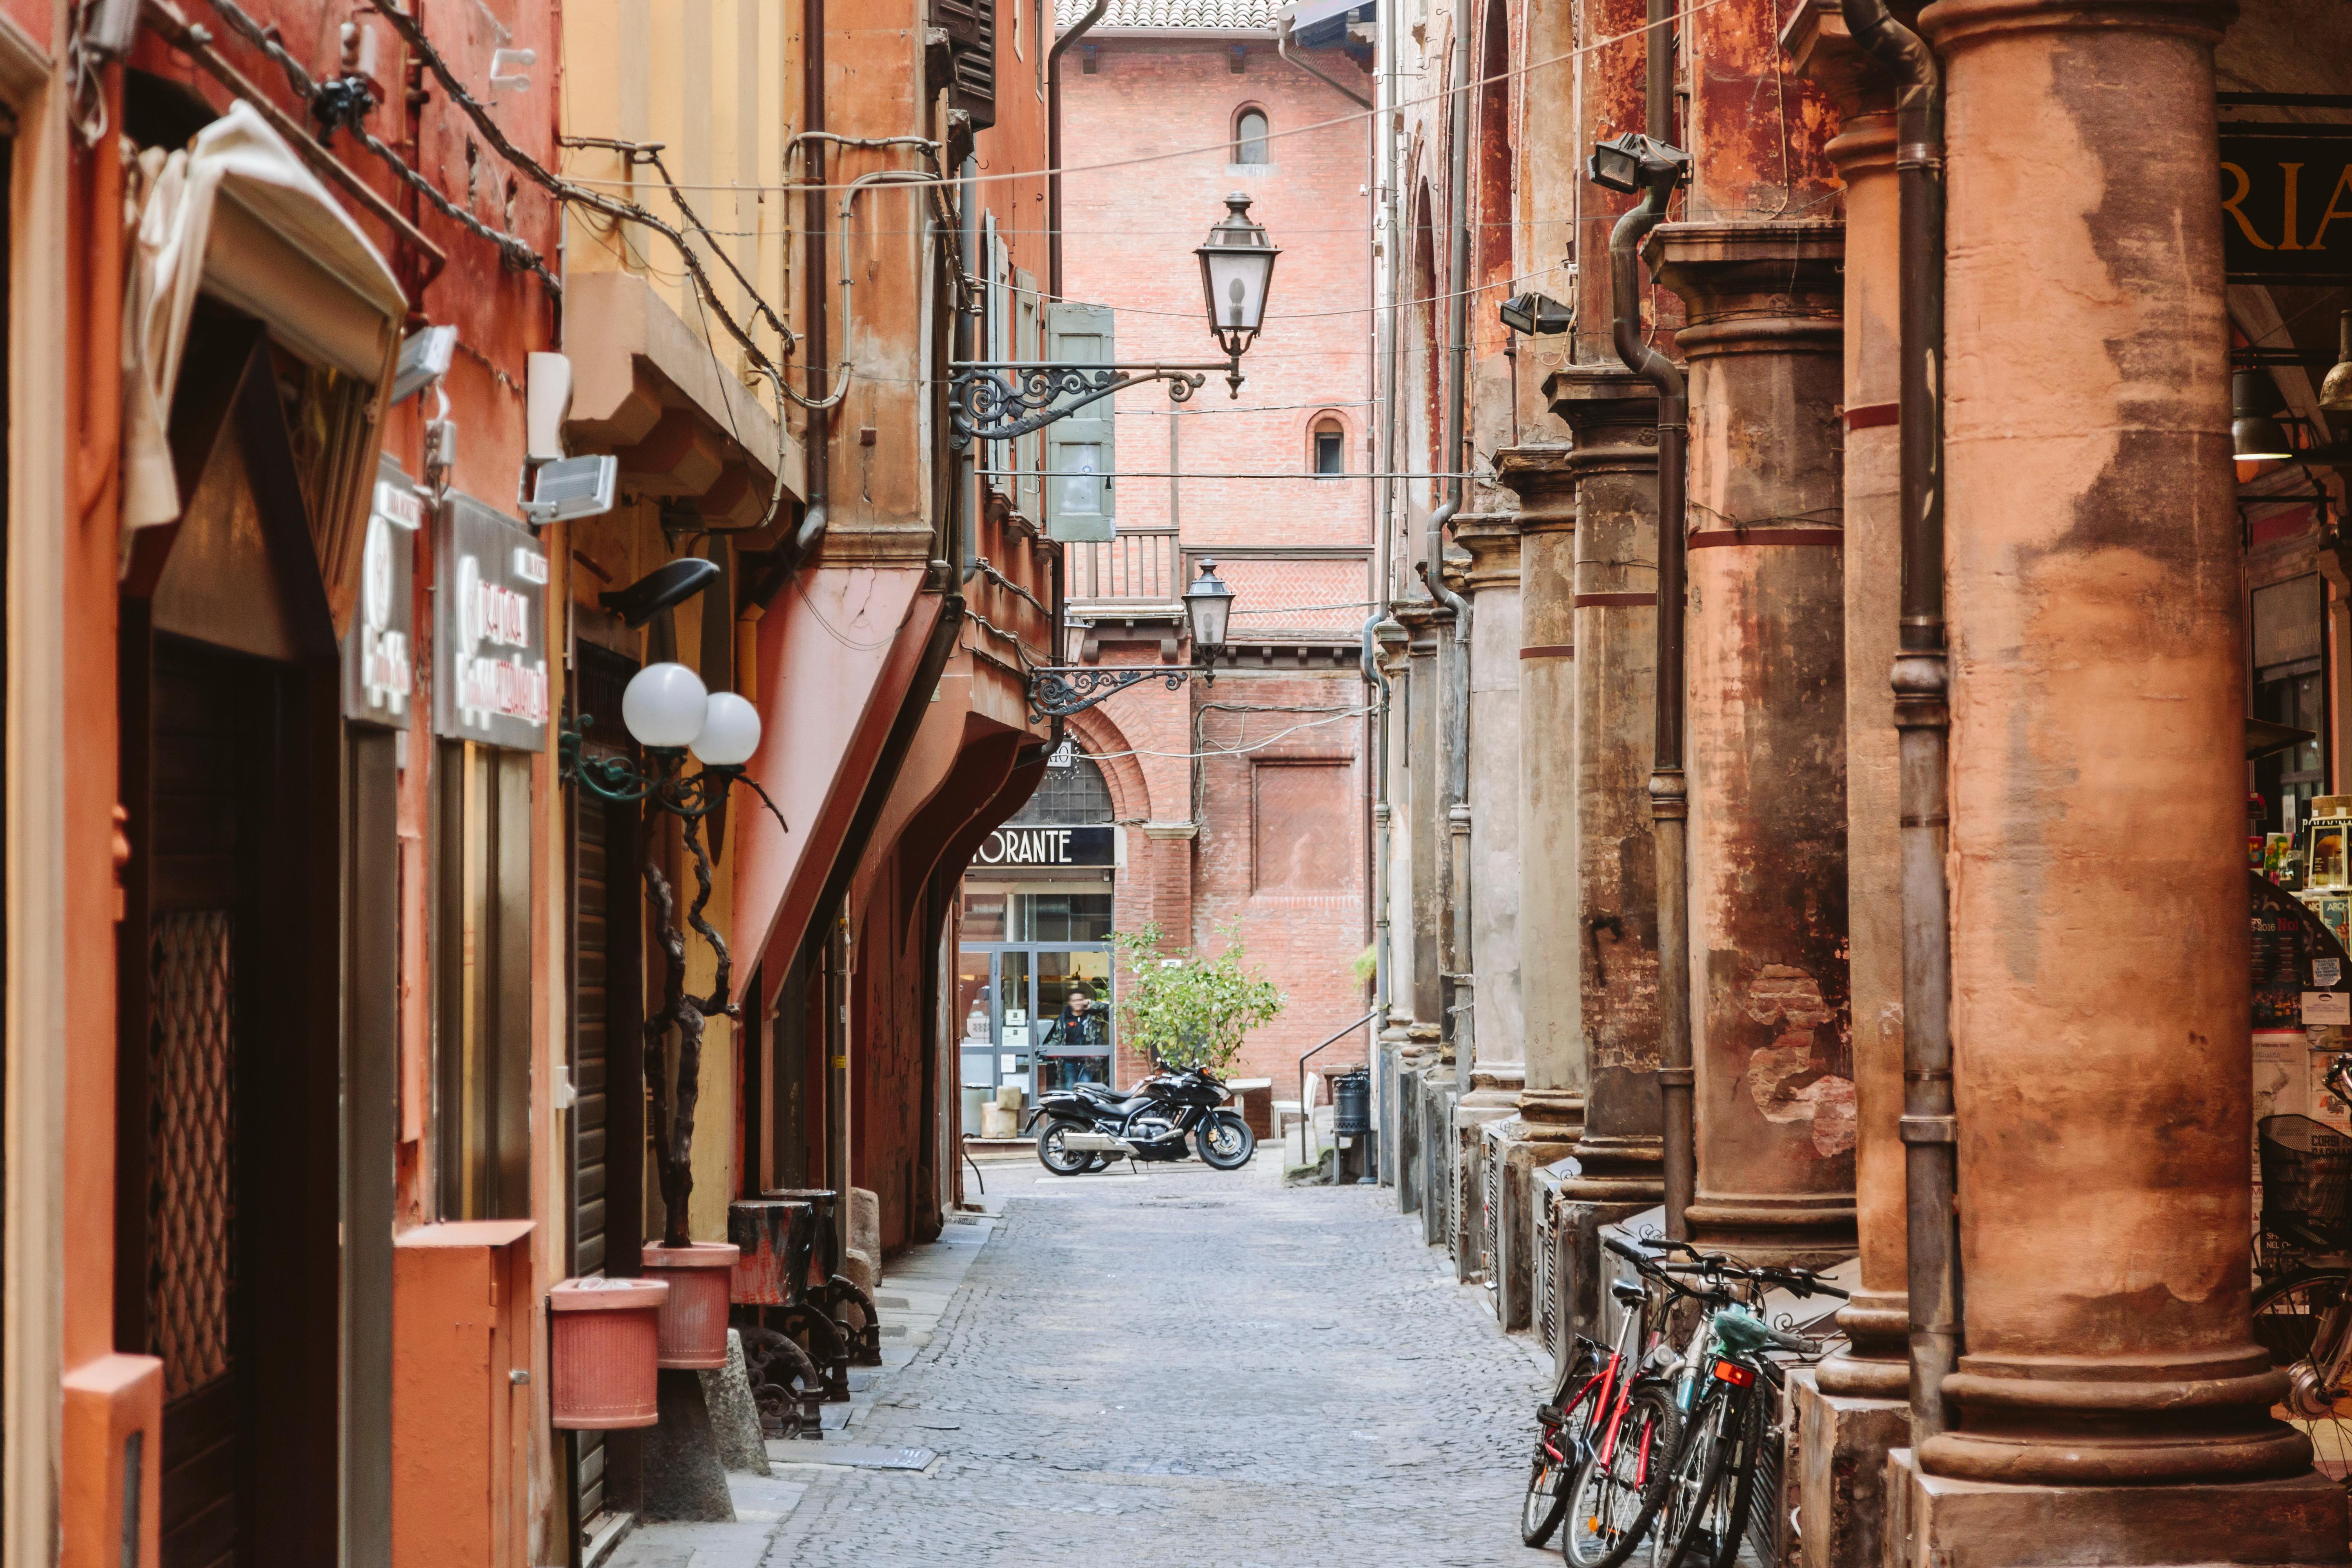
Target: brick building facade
<point x="1244" y="800"/>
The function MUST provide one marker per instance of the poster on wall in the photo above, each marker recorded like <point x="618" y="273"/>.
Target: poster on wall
<point x="379" y="649"/>
<point x="490" y="629"/>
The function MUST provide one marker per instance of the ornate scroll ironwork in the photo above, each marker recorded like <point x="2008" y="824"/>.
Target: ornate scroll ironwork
<point x="1056" y="691"/>
<point x="993" y="401"/>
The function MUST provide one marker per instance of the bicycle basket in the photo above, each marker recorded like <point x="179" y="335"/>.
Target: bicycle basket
<point x="2306" y="1170"/>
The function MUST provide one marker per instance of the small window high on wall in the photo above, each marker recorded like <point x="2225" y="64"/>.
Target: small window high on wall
<point x="1328" y="451"/>
<point x="1250" y="137"/>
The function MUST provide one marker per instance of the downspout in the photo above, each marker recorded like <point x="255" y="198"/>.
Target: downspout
<point x="1923" y="720"/>
<point x="817" y="340"/>
<point x="1454" y="695"/>
<point x="1283" y="40"/>
<point x="1053" y="143"/>
<point x="1669" y="801"/>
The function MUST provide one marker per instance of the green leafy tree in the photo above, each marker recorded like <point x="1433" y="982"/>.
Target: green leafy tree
<point x="1185" y="1009"/>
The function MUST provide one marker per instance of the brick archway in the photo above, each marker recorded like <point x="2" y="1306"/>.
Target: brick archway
<point x="1101" y="738"/>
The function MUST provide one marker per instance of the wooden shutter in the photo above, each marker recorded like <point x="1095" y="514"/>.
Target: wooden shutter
<point x="970" y="27"/>
<point x="1078" y="507"/>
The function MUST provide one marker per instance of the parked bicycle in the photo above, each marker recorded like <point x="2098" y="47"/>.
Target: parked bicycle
<point x="1730" y="1396"/>
<point x="1585" y="1410"/>
<point x="2302" y="1310"/>
<point x="1654" y="1449"/>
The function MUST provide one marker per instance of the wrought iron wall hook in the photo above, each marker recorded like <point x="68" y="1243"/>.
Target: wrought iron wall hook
<point x="997" y="400"/>
<point x="1056" y="691"/>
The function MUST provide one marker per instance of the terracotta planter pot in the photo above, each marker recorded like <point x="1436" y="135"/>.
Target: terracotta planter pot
<point x="602" y="1337"/>
<point x="694" y="1319"/>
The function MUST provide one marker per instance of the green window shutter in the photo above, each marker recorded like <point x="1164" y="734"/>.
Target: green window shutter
<point x="1081" y="452"/>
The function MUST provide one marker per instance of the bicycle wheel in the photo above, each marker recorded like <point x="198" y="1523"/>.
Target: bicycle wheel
<point x="2288" y="1317"/>
<point x="1694" y="1524"/>
<point x="1560" y="1446"/>
<point x="1748" y="1465"/>
<point x="1619" y="1483"/>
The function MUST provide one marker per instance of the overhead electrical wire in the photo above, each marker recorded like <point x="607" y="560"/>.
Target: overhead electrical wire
<point x="1225" y="145"/>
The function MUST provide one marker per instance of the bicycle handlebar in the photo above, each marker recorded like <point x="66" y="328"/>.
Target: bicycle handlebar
<point x="1625" y="1252"/>
<point x="1796" y="1344"/>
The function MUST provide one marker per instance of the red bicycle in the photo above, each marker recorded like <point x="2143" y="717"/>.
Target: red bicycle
<point x="1588" y="1410"/>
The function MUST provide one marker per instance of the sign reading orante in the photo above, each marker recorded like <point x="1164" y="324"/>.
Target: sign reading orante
<point x="1049" y="847"/>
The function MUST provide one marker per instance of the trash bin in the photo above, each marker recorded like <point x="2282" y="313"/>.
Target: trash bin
<point x="1351" y="1103"/>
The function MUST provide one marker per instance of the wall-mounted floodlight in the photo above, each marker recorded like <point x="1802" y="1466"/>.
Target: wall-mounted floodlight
<point x="1534" y="315"/>
<point x="424" y="356"/>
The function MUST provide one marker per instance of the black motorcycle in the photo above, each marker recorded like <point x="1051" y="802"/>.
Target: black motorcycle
<point x="1088" y="1126"/>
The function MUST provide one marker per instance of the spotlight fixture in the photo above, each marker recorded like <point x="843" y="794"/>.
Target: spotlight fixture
<point x="1630" y="162"/>
<point x="660" y="589"/>
<point x="2254" y="404"/>
<point x="1533" y="315"/>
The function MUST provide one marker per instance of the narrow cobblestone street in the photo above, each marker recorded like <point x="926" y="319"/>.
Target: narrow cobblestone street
<point x="1178" y="1368"/>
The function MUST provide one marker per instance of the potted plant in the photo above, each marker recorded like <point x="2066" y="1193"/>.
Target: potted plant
<point x="1184" y="1009"/>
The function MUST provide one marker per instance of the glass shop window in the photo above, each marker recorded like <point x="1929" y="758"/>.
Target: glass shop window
<point x="482" y="983"/>
<point x="2290" y="687"/>
<point x="1061" y="917"/>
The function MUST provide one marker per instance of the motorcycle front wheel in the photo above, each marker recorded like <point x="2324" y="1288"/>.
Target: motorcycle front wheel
<point x="1054" y="1156"/>
<point x="1224" y="1142"/>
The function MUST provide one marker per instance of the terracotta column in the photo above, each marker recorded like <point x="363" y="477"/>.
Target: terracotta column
<point x="1552" y="1102"/>
<point x="2111" y="1405"/>
<point x="1766" y="656"/>
<point x="1855" y="1407"/>
<point x="1499" y="1070"/>
<point x="1612" y="599"/>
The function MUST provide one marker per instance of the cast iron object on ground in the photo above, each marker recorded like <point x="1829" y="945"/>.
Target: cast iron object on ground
<point x="838" y="1292"/>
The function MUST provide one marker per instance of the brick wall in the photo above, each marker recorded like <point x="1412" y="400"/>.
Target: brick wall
<point x="1277" y="839"/>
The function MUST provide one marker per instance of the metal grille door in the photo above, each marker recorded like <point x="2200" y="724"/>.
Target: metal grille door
<point x="192" y="1188"/>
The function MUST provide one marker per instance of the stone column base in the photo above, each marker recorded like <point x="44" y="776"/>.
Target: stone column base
<point x="1842" y="1443"/>
<point x="1933" y="1522"/>
<point x="1433" y="1088"/>
<point x="1515" y="1148"/>
<point x="1474" y="1248"/>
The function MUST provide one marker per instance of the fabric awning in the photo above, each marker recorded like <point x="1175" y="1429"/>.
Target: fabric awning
<point x="236" y="214"/>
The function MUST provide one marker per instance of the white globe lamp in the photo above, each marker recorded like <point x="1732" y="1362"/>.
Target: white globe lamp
<point x="730" y="732"/>
<point x="664" y="705"/>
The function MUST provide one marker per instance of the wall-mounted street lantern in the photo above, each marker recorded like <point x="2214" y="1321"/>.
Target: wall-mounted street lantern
<point x="994" y="400"/>
<point x="670" y="714"/>
<point x="1057" y="690"/>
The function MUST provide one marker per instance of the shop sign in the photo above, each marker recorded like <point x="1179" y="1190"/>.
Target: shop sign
<point x="2286" y="202"/>
<point x="490" y="629"/>
<point x="1049" y="847"/>
<point x="379" y="651"/>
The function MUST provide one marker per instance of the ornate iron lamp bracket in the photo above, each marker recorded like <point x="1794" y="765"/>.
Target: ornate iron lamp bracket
<point x="996" y="401"/>
<point x="1057" y="690"/>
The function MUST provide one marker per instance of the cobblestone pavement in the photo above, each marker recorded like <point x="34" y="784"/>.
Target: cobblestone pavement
<point x="1190" y="1368"/>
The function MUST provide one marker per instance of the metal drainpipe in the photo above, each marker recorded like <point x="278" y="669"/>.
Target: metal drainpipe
<point x="1669" y="801"/>
<point x="815" y="341"/>
<point x="1453" y="698"/>
<point x="1053" y="143"/>
<point x="1923" y="719"/>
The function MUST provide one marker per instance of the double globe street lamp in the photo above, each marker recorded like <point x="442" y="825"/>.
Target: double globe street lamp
<point x="671" y="716"/>
<point x="991" y="400"/>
